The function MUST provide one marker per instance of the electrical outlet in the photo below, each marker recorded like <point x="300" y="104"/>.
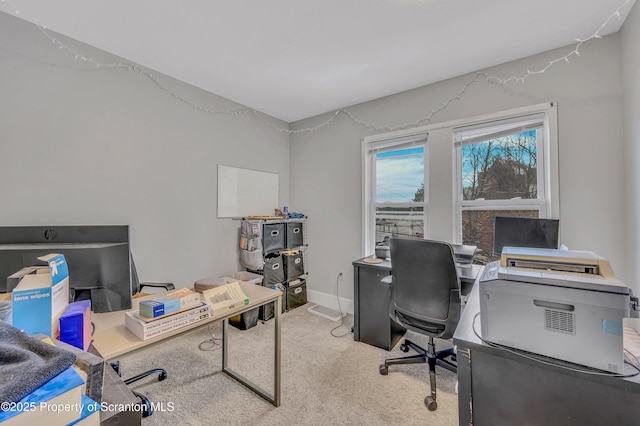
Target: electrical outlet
<point x="341" y="276"/>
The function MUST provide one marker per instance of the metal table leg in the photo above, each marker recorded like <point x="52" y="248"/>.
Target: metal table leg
<point x="275" y="397"/>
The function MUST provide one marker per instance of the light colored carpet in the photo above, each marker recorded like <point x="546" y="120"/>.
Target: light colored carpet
<point x="326" y="380"/>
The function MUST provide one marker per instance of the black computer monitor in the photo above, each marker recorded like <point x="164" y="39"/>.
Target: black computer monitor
<point x="98" y="257"/>
<point x="524" y="232"/>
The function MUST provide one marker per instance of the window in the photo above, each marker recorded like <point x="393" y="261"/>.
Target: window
<point x="395" y="196"/>
<point x="447" y="181"/>
<point x="501" y="170"/>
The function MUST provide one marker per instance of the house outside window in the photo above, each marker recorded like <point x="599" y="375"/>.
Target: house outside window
<point x="501" y="170"/>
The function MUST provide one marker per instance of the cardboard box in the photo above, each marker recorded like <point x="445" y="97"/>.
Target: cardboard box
<point x="14" y="279"/>
<point x="245" y="276"/>
<point x="41" y="297"/>
<point x="245" y="320"/>
<point x="174" y="301"/>
<point x="75" y="324"/>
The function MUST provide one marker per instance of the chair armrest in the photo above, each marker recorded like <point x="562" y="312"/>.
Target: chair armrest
<point x="166" y="286"/>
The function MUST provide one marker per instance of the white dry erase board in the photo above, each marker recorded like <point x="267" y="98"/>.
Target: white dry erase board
<point x="244" y="192"/>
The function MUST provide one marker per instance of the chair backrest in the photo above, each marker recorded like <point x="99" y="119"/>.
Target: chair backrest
<point x="135" y="281"/>
<point x="425" y="292"/>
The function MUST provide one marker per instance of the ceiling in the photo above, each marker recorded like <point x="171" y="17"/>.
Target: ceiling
<point x="294" y="59"/>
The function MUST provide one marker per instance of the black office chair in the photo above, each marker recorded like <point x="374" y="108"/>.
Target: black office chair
<point x="425" y="298"/>
<point x="137" y="287"/>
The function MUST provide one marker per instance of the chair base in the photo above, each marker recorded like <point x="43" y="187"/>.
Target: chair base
<point x="162" y="375"/>
<point x="429" y="356"/>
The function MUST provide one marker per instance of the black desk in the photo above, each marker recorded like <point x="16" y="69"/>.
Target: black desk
<point x="496" y="387"/>
<point x="372" y="323"/>
<point x="119" y="402"/>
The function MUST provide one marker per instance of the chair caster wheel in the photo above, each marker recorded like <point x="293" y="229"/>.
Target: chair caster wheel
<point x="404" y="348"/>
<point x="430" y="403"/>
<point x="162" y="376"/>
<point x="384" y="370"/>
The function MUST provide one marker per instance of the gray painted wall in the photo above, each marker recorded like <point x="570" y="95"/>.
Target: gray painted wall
<point x="630" y="36"/>
<point x="119" y="150"/>
<point x="326" y="164"/>
<point x="80" y="145"/>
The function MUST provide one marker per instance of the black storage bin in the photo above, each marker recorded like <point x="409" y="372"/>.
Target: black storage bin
<point x="273" y="237"/>
<point x="245" y="320"/>
<point x="295" y="293"/>
<point x="294" y="235"/>
<point x="293" y="265"/>
<point x="267" y="311"/>
<point x="273" y="270"/>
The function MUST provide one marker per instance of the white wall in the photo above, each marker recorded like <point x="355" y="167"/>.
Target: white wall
<point x="630" y="36"/>
<point x="326" y="164"/>
<point x="85" y="146"/>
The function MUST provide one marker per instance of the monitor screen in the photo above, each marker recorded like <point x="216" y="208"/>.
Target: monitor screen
<point x="525" y="232"/>
<point x="98" y="258"/>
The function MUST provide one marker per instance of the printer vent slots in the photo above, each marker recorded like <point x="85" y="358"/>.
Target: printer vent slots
<point x="559" y="321"/>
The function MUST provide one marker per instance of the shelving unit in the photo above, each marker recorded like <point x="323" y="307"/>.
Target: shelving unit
<point x="278" y="236"/>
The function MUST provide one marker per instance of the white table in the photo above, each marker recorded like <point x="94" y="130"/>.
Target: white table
<point x="112" y="339"/>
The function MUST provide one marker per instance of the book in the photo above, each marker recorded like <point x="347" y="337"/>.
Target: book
<point x="145" y="330"/>
<point x="89" y="415"/>
<point x="173" y="301"/>
<point x="203" y="307"/>
<point x="171" y="315"/>
<point x="58" y="401"/>
<point x="225" y="297"/>
<point x="89" y="366"/>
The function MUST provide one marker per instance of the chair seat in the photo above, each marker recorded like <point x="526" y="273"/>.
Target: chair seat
<point x="420" y="326"/>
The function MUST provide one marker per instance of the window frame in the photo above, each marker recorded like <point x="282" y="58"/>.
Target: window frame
<point x="444" y="134"/>
<point x="547" y="202"/>
<point x="371" y="145"/>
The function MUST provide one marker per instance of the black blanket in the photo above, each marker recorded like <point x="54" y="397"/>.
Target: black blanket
<point x="27" y="363"/>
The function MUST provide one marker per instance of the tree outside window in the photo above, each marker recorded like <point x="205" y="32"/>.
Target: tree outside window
<point x="499" y="177"/>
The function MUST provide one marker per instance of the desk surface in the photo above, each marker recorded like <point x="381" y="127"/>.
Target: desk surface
<point x="500" y="387"/>
<point x="466" y="336"/>
<point x="112" y="339"/>
<point x="467" y="274"/>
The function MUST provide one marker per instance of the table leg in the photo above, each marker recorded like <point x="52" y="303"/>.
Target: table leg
<point x="275" y="397"/>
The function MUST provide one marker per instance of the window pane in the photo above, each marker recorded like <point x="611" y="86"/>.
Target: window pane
<point x="400" y="175"/>
<point x="387" y="228"/>
<point x="501" y="168"/>
<point x="477" y="229"/>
